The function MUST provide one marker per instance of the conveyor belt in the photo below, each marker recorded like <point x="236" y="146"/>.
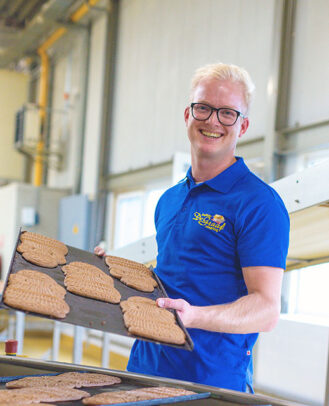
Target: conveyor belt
<point x="15" y="366"/>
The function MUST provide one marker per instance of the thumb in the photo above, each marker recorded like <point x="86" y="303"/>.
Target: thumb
<point x="168" y="303"/>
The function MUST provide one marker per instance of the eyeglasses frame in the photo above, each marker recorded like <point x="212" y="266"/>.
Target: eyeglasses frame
<point x="239" y="114"/>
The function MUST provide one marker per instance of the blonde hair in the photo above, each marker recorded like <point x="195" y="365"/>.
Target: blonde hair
<point x="224" y="71"/>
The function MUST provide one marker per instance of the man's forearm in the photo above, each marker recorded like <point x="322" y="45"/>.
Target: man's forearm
<point x="249" y="314"/>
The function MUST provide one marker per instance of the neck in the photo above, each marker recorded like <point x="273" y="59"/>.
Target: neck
<point x="203" y="169"/>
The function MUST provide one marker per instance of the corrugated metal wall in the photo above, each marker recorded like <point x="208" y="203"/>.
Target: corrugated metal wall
<point x="67" y="97"/>
<point x="161" y="43"/>
<point x="309" y="99"/>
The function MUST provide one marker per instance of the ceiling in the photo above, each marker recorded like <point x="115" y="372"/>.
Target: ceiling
<point x="25" y="24"/>
<point x="15" y="14"/>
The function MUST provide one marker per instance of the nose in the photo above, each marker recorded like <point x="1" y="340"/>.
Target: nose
<point x="213" y="118"/>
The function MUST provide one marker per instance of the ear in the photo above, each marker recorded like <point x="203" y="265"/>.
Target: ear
<point x="186" y="114"/>
<point x="244" y="126"/>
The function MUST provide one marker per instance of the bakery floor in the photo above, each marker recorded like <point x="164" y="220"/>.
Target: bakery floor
<point x="38" y="339"/>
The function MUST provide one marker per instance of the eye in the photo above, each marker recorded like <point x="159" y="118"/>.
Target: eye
<point x="201" y="108"/>
<point x="228" y="113"/>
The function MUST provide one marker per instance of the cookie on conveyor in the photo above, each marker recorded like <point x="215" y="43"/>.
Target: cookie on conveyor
<point x="41" y="250"/>
<point x="131" y="273"/>
<point x="36" y="292"/>
<point x="87" y="280"/>
<point x="142" y="317"/>
<point x="35" y="395"/>
<point x="135" y="395"/>
<point x="67" y="380"/>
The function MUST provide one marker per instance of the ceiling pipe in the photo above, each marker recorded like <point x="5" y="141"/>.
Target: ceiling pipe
<point x="44" y="86"/>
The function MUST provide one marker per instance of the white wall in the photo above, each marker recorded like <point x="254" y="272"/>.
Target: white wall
<point x="94" y="111"/>
<point x="13" y="94"/>
<point x="309" y="86"/>
<point x="309" y="99"/>
<point x="67" y="133"/>
<point x="291" y="361"/>
<point x="160" y="45"/>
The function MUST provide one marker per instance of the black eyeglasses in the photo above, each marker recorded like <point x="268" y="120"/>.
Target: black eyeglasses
<point x="226" y="116"/>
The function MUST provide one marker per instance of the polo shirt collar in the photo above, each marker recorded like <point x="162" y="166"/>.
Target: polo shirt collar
<point x="226" y="179"/>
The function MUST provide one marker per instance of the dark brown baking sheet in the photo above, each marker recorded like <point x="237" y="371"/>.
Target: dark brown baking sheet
<point x="88" y="312"/>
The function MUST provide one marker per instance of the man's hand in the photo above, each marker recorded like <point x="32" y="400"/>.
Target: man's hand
<point x="183" y="308"/>
<point x="99" y="251"/>
<point x="258" y="311"/>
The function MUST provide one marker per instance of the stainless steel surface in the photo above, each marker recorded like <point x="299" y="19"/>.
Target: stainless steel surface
<point x="14" y="366"/>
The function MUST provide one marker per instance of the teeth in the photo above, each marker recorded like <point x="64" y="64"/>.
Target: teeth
<point x="213" y="135"/>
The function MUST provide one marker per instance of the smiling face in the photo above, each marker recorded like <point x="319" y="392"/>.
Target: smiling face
<point x="210" y="139"/>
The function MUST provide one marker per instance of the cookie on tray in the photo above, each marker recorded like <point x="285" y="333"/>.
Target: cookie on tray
<point x="41" y="250"/>
<point x="87" y="280"/>
<point x="36" y="292"/>
<point x="66" y="379"/>
<point x="135" y="395"/>
<point x="35" y="395"/>
<point x="131" y="273"/>
<point x="142" y="317"/>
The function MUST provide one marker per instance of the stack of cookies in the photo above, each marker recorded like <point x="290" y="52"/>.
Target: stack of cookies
<point x="87" y="280"/>
<point x="36" y="292"/>
<point x="131" y="273"/>
<point x="42" y="251"/>
<point x="144" y="318"/>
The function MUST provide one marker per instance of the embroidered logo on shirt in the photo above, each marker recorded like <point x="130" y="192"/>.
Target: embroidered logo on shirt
<point x="214" y="222"/>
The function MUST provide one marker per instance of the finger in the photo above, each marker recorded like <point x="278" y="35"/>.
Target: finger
<point x="99" y="251"/>
<point x="168" y="303"/>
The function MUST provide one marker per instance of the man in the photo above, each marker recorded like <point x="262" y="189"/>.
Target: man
<point x="222" y="239"/>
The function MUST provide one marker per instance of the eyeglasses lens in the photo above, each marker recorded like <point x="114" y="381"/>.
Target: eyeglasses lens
<point x="225" y="116"/>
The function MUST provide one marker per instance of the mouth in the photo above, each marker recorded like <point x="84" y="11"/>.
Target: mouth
<point x="209" y="134"/>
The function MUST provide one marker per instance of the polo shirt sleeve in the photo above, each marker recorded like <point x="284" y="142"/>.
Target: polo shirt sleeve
<point x="262" y="231"/>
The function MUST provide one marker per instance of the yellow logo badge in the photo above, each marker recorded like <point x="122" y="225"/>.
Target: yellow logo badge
<point x="215" y="222"/>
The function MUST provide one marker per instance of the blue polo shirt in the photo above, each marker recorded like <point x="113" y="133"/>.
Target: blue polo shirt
<point x="206" y="233"/>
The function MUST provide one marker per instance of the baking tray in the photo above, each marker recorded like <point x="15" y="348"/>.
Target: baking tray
<point x="87" y="312"/>
<point x="16" y="366"/>
<point x="126" y="384"/>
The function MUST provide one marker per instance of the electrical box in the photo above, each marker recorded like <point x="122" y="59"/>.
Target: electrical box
<point x="28" y="207"/>
<point x="75" y="221"/>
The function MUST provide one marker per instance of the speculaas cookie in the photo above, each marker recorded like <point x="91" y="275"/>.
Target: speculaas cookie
<point x="36" y="395"/>
<point x="164" y="332"/>
<point x="142" y="317"/>
<point x="89" y="281"/>
<point x="41" y="250"/>
<point x="43" y="240"/>
<point x="36" y="292"/>
<point x="135" y="395"/>
<point x="131" y="273"/>
<point x="67" y="379"/>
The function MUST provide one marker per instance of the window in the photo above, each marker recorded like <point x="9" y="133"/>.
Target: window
<point x="134" y="217"/>
<point x="128" y="219"/>
<point x="308" y="292"/>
